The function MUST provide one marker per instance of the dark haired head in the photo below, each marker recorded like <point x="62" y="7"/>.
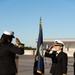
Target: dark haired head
<point x="6" y="38"/>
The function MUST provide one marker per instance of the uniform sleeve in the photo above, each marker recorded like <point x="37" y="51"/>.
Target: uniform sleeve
<point x="17" y="49"/>
<point x="48" y="55"/>
<point x="65" y="63"/>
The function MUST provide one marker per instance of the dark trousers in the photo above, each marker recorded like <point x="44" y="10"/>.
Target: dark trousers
<point x="8" y="74"/>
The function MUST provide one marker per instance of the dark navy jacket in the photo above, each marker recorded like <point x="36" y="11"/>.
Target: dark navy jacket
<point x="7" y="58"/>
<point x="59" y="63"/>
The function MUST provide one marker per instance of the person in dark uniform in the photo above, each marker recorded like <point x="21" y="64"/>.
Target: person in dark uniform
<point x="8" y="52"/>
<point x="59" y="58"/>
<point x="74" y="62"/>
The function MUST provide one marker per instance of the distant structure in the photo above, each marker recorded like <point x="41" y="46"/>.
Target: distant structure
<point x="69" y="47"/>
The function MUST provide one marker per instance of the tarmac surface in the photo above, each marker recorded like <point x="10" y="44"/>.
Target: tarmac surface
<point x="25" y="65"/>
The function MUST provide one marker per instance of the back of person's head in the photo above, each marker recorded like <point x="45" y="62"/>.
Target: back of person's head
<point x="7" y="36"/>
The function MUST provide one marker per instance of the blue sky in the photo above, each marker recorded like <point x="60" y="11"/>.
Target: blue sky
<point x="23" y="17"/>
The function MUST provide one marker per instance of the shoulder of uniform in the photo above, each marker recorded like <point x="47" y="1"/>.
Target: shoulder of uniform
<point x="11" y="44"/>
<point x="64" y="54"/>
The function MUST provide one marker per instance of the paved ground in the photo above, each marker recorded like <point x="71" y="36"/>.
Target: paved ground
<point x="25" y="65"/>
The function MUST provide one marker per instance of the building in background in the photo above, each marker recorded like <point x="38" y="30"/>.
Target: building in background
<point x="69" y="47"/>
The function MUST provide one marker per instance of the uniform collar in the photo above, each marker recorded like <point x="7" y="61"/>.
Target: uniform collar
<point x="58" y="51"/>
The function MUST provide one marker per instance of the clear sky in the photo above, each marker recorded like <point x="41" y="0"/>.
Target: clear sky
<point x="23" y="17"/>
